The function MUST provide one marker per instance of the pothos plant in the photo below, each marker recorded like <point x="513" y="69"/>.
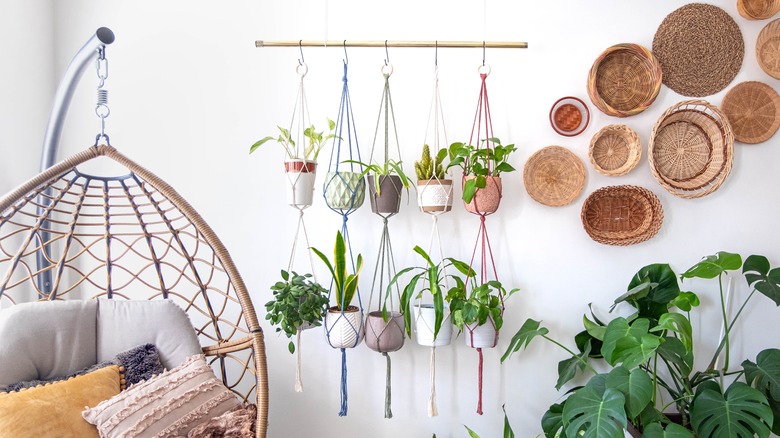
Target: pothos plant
<point x="311" y="149"/>
<point x="487" y="161"/>
<point x="650" y="355"/>
<point x="297" y="301"/>
<point x="472" y="302"/>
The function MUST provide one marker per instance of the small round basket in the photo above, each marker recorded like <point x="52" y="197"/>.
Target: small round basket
<point x="554" y="176"/>
<point x="758" y="9"/>
<point x="615" y="150"/>
<point x="768" y="48"/>
<point x="622" y="215"/>
<point x="691" y="149"/>
<point x="569" y="116"/>
<point x="753" y="111"/>
<point x="624" y="80"/>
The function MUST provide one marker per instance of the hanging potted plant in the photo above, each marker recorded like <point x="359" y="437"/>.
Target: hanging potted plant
<point x="300" y="166"/>
<point x="482" y="167"/>
<point x="343" y="322"/>
<point x="478" y="308"/>
<point x="298" y="304"/>
<point x="434" y="190"/>
<point x="385" y="182"/>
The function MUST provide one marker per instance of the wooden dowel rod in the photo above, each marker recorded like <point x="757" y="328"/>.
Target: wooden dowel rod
<point x="413" y="44"/>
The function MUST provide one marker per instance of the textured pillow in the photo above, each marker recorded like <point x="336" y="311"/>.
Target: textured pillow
<point x="138" y="364"/>
<point x="237" y="423"/>
<point x="46" y="339"/>
<point x="123" y="324"/>
<point x="168" y="404"/>
<point x="54" y="410"/>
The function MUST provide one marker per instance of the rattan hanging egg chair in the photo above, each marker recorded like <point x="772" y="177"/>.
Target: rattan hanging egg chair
<point x="68" y="235"/>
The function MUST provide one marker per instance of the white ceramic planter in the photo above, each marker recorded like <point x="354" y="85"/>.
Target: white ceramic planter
<point x="382" y="336"/>
<point x="344" y="190"/>
<point x="483" y="336"/>
<point x="300" y="178"/>
<point x="424" y="321"/>
<point x="344" y="330"/>
<point x="434" y="195"/>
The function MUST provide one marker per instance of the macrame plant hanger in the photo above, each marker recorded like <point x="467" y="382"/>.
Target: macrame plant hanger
<point x="483" y="206"/>
<point x="434" y="197"/>
<point x="344" y="192"/>
<point x="385" y="327"/>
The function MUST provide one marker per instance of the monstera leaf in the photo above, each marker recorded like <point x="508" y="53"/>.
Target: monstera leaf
<point x="764" y="375"/>
<point x="568" y="368"/>
<point x="740" y="412"/>
<point x="714" y="265"/>
<point x="631" y="344"/>
<point x="651" y="290"/>
<point x="759" y="275"/>
<point x="635" y="385"/>
<point x="552" y="422"/>
<point x="654" y="430"/>
<point x="597" y="415"/>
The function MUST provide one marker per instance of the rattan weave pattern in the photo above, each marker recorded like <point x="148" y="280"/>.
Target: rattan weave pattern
<point x="622" y="215"/>
<point x="624" y="80"/>
<point x="753" y="110"/>
<point x="615" y="150"/>
<point x="768" y="48"/>
<point x="554" y="176"/>
<point x="758" y="9"/>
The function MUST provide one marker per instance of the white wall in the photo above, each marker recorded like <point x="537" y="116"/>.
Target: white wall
<point x="190" y="93"/>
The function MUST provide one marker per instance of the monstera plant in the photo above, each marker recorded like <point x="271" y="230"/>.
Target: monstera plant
<point x="652" y="388"/>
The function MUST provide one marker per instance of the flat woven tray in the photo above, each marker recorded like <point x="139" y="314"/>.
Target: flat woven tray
<point x="554" y="176"/>
<point x="615" y="150"/>
<point x="753" y="110"/>
<point x="691" y="149"/>
<point x="622" y="215"/>
<point x="624" y="80"/>
<point x="569" y="116"/>
<point x="700" y="48"/>
<point x="758" y="9"/>
<point x="768" y="48"/>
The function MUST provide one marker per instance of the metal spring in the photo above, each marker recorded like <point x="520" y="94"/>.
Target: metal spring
<point x="102" y="97"/>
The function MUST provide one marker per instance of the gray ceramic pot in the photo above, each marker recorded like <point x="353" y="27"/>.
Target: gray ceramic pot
<point x="388" y="201"/>
<point x="382" y="336"/>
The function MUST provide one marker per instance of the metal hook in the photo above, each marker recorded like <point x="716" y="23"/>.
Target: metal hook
<point x="483" y="52"/>
<point x="387" y="54"/>
<point x="346" y="58"/>
<point x="300" y="47"/>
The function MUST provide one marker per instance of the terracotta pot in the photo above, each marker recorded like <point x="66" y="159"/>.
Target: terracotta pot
<point x="300" y="177"/>
<point x="424" y="321"/>
<point x="434" y="195"/>
<point x="344" y="190"/>
<point x="344" y="330"/>
<point x="482" y="336"/>
<point x="382" y="336"/>
<point x="388" y="201"/>
<point x="486" y="199"/>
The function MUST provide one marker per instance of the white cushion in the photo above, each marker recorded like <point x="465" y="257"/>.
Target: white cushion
<point x="46" y="339"/>
<point x="124" y="324"/>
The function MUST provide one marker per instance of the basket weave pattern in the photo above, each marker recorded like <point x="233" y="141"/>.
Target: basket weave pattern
<point x="758" y="9"/>
<point x="624" y="80"/>
<point x="622" y="215"/>
<point x="615" y="150"/>
<point x="753" y="110"/>
<point x="768" y="49"/>
<point x="554" y="176"/>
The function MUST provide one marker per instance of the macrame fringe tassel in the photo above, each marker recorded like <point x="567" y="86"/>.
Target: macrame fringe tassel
<point x="479" y="402"/>
<point x="343" y="411"/>
<point x="298" y="381"/>
<point x="388" y="410"/>
<point x="432" y="409"/>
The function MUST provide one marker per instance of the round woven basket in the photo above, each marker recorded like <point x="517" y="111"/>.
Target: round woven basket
<point x="615" y="150"/>
<point x="758" y="9"/>
<point x="624" y="80"/>
<point x="554" y="176"/>
<point x="768" y="48"/>
<point x="691" y="149"/>
<point x="753" y="111"/>
<point x="622" y="215"/>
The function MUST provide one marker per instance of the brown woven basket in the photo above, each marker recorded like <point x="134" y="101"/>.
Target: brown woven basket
<point x="554" y="176"/>
<point x="758" y="9"/>
<point x="622" y="215"/>
<point x="691" y="149"/>
<point x="624" y="80"/>
<point x="615" y="150"/>
<point x="753" y="111"/>
<point x="768" y="48"/>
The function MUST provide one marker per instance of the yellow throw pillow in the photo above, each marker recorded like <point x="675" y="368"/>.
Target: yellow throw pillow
<point x="55" y="409"/>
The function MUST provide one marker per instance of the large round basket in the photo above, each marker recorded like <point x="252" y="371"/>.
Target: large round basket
<point x="624" y="80"/>
<point x="615" y="150"/>
<point x="753" y="111"/>
<point x="758" y="9"/>
<point x="768" y="48"/>
<point x="691" y="149"/>
<point x="622" y="215"/>
<point x="554" y="176"/>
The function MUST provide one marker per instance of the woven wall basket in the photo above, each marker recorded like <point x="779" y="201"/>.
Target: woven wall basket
<point x="624" y="80"/>
<point x="615" y="150"/>
<point x="691" y="149"/>
<point x="758" y="9"/>
<point x="622" y="215"/>
<point x="753" y="110"/>
<point x="554" y="176"/>
<point x="768" y="48"/>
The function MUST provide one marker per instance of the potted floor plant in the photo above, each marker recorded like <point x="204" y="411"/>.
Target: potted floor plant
<point x="482" y="168"/>
<point x="343" y="322"/>
<point x="385" y="184"/>
<point x="434" y="190"/>
<point x="652" y="385"/>
<point x="298" y="304"/>
<point x="300" y="164"/>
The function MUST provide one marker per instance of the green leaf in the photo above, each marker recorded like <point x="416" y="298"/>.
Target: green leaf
<point x="759" y="276"/>
<point x="686" y="301"/>
<point x="741" y="412"/>
<point x="635" y="385"/>
<point x="472" y="434"/>
<point x="678" y="323"/>
<point x="552" y="421"/>
<point x="594" y="329"/>
<point x="665" y="286"/>
<point x="291" y="347"/>
<point x="629" y="344"/>
<point x="598" y="415"/>
<point x="655" y="430"/>
<point x="764" y="375"/>
<point x="508" y="432"/>
<point x="259" y="143"/>
<point x="775" y="405"/>
<point x="714" y="265"/>
<point x="673" y="351"/>
<point x="527" y="332"/>
<point x="567" y="368"/>
<point x="469" y="189"/>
